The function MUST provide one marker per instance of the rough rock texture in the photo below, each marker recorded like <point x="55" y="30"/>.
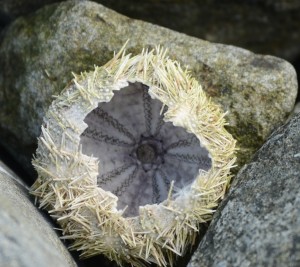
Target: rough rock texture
<point x="39" y="53"/>
<point x="258" y="223"/>
<point x="263" y="26"/>
<point x="26" y="238"/>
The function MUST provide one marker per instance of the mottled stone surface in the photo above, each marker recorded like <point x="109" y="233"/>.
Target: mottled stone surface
<point x="39" y="53"/>
<point x="258" y="223"/>
<point x="26" y="238"/>
<point x="263" y="26"/>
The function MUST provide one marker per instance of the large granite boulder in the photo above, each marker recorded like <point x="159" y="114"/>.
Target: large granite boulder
<point x="258" y="223"/>
<point x="26" y="238"/>
<point x="263" y="26"/>
<point x="39" y="52"/>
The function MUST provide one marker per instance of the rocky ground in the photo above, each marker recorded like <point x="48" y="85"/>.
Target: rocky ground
<point x="257" y="223"/>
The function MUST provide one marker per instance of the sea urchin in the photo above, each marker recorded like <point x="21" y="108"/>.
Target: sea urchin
<point x="132" y="158"/>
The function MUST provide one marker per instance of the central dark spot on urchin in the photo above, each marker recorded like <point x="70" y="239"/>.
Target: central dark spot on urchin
<point x="140" y="154"/>
<point x="146" y="153"/>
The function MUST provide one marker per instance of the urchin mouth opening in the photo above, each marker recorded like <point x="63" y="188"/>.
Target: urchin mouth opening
<point x="139" y="153"/>
<point x="148" y="153"/>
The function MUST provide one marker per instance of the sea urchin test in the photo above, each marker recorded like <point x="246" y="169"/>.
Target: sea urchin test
<point x="132" y="158"/>
<point x="140" y="155"/>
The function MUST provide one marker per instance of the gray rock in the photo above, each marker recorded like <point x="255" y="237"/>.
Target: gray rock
<point x="39" y="53"/>
<point x="262" y="26"/>
<point x="258" y="223"/>
<point x="26" y="238"/>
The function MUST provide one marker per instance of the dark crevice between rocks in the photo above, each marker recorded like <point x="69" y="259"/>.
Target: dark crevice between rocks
<point x="15" y="166"/>
<point x="4" y="19"/>
<point x="99" y="260"/>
